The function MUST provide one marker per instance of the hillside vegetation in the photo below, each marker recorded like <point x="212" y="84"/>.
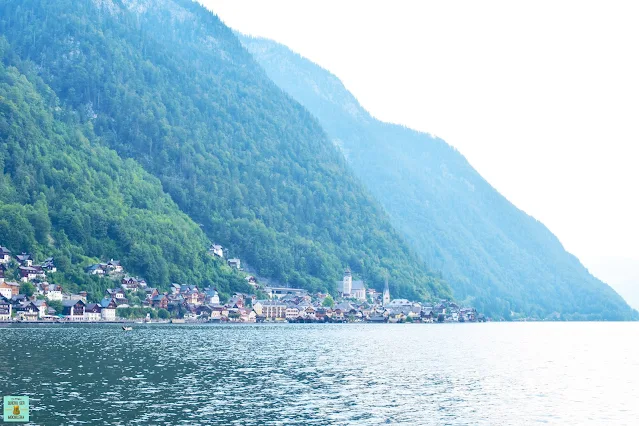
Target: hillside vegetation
<point x="493" y="254"/>
<point x="165" y="88"/>
<point x="64" y="195"/>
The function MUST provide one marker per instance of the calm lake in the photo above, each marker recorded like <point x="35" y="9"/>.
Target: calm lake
<point x="493" y="373"/>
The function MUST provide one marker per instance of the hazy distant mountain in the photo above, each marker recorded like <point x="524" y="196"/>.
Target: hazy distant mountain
<point x="168" y="89"/>
<point x="622" y="273"/>
<point x="492" y="253"/>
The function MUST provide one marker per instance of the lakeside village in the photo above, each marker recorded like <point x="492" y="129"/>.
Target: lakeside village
<point x="189" y="303"/>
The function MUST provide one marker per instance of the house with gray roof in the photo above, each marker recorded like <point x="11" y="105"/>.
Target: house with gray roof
<point x="25" y="259"/>
<point x="5" y="255"/>
<point x="73" y="309"/>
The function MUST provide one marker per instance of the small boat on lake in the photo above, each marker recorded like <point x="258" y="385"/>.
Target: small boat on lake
<point x="126" y="328"/>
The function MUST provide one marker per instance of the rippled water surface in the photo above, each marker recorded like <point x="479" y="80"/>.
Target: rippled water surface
<point x="499" y="373"/>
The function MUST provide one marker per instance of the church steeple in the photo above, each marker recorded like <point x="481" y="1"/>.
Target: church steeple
<point x="347" y="283"/>
<point x="386" y="296"/>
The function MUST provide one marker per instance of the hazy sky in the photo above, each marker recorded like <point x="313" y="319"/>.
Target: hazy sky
<point x="542" y="98"/>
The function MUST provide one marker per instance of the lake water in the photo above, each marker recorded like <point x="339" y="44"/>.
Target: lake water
<point x="493" y="373"/>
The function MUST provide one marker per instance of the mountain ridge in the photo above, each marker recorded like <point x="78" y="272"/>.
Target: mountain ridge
<point x="168" y="86"/>
<point x="492" y="253"/>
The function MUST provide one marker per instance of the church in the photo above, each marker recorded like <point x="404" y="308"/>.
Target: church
<point x="348" y="288"/>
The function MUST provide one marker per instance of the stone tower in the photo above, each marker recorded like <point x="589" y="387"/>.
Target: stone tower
<point x="386" y="296"/>
<point x="347" y="286"/>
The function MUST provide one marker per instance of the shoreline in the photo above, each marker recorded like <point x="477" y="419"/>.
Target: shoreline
<point x="230" y="323"/>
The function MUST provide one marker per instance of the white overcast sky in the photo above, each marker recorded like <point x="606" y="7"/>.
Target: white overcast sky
<point x="541" y="97"/>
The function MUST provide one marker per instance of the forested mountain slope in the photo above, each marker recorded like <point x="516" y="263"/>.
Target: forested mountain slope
<point x="165" y="84"/>
<point x="64" y="195"/>
<point x="491" y="253"/>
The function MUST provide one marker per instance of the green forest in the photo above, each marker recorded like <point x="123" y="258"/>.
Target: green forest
<point x="145" y="133"/>
<point x="495" y="257"/>
<point x="64" y="195"/>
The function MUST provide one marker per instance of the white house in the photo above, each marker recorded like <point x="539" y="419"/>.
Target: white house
<point x="93" y="312"/>
<point x="55" y="294"/>
<point x="109" y="307"/>
<point x="96" y="269"/>
<point x="116" y="293"/>
<point x="5" y="255"/>
<point x="8" y="289"/>
<point x="5" y="309"/>
<point x="28" y="273"/>
<point x="50" y="291"/>
<point x="42" y="307"/>
<point x="247" y="315"/>
<point x="292" y="312"/>
<point x="234" y="263"/>
<point x="216" y="250"/>
<point x="114" y="266"/>
<point x="272" y="309"/>
<point x="25" y="259"/>
<point x="257" y="308"/>
<point x="73" y="309"/>
<point x="214" y="298"/>
<point x="28" y="311"/>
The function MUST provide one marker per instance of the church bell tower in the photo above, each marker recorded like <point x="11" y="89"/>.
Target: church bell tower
<point x="386" y="296"/>
<point x="347" y="286"/>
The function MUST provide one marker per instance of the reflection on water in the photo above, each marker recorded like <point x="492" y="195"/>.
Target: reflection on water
<point x="324" y="374"/>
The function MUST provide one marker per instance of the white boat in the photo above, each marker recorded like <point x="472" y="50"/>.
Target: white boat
<point x="127" y="328"/>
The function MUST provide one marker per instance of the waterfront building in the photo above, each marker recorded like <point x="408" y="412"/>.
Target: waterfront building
<point x="292" y="312"/>
<point x="272" y="309"/>
<point x="93" y="312"/>
<point x="5" y="309"/>
<point x="28" y="311"/>
<point x="109" y="307"/>
<point x="43" y="308"/>
<point x="73" y="309"/>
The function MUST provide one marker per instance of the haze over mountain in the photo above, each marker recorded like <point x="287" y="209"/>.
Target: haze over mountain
<point x="492" y="253"/>
<point x="162" y="92"/>
<point x="558" y="105"/>
<point x="623" y="272"/>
